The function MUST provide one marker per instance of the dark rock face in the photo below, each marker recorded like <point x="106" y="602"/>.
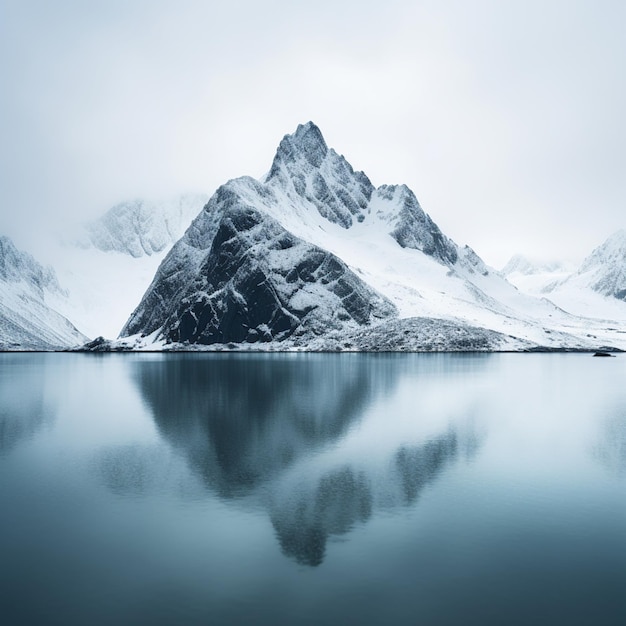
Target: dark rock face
<point x="414" y="228"/>
<point x="304" y="164"/>
<point x="260" y="283"/>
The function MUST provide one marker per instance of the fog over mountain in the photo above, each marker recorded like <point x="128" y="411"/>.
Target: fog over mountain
<point x="310" y="256"/>
<point x="505" y="117"/>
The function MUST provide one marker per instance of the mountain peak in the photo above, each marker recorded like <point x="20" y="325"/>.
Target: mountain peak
<point x="309" y="138"/>
<point x="606" y="266"/>
<point x="611" y="251"/>
<point x="306" y="143"/>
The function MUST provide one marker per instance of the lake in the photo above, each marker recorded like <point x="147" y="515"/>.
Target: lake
<point x="436" y="489"/>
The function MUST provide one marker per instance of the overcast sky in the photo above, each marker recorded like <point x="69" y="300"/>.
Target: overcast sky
<point x="505" y="117"/>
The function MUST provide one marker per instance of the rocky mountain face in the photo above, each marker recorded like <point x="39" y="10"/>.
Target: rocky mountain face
<point x="26" y="319"/>
<point x="311" y="173"/>
<point x="239" y="276"/>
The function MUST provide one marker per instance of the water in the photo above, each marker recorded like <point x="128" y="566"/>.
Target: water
<point x="312" y="489"/>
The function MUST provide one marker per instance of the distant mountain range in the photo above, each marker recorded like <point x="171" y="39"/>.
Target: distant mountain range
<point x="595" y="289"/>
<point x="311" y="257"/>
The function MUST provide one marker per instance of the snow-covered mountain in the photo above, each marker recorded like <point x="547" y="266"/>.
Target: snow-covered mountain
<point x="604" y="270"/>
<point x="534" y="277"/>
<point x="315" y="256"/>
<point x="597" y="288"/>
<point x="106" y="265"/>
<point x="27" y="319"/>
<point x="141" y="227"/>
<point x="520" y="264"/>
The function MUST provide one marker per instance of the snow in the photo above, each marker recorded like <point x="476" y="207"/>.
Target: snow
<point x="27" y="321"/>
<point x="102" y="287"/>
<point x="588" y="291"/>
<point x="106" y="266"/>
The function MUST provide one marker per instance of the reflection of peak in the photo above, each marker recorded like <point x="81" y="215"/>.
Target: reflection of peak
<point x="420" y="465"/>
<point x="344" y="497"/>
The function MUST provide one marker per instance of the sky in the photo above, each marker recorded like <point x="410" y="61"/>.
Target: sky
<point x="505" y="117"/>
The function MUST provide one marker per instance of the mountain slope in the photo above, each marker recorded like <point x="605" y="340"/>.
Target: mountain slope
<point x="237" y="275"/>
<point x="605" y="268"/>
<point x="27" y="321"/>
<point x="140" y="227"/>
<point x="106" y="265"/>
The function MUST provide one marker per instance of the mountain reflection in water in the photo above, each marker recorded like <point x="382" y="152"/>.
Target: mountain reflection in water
<point x="252" y="426"/>
<point x="25" y="407"/>
<point x="611" y="447"/>
<point x="239" y="421"/>
<point x="338" y="500"/>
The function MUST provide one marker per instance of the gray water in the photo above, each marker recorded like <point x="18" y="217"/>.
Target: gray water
<point x="312" y="489"/>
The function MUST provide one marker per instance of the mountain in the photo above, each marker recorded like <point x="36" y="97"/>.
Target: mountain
<point x="27" y="321"/>
<point x="520" y="264"/>
<point x="314" y="256"/>
<point x="107" y="264"/>
<point x="141" y="227"/>
<point x="605" y="268"/>
<point x="598" y="287"/>
<point x="238" y="275"/>
<point x="535" y="277"/>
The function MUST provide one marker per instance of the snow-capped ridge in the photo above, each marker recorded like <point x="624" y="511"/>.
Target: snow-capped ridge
<point x="27" y="289"/>
<point x="605" y="267"/>
<point x="307" y="142"/>
<point x="304" y="167"/>
<point x="611" y="251"/>
<point x="411" y="227"/>
<point x="17" y="265"/>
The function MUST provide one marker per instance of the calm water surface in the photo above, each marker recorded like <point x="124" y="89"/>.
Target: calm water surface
<point x="312" y="489"/>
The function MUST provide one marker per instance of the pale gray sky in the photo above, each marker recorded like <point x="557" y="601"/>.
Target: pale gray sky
<point x="505" y="117"/>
